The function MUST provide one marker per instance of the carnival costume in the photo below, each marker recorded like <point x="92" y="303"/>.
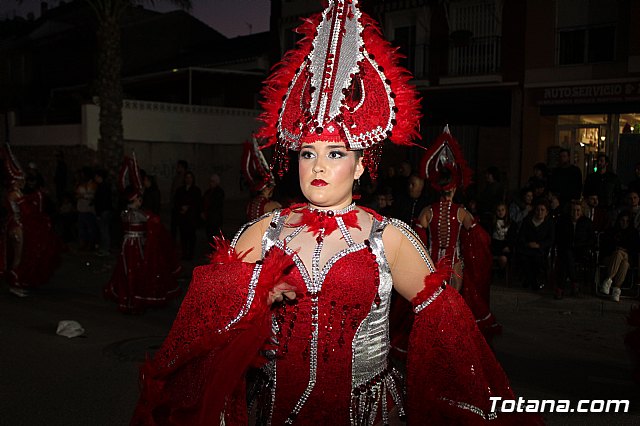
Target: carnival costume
<point x="30" y="248"/>
<point x="323" y="357"/>
<point x="449" y="239"/>
<point x="146" y="271"/>
<point x="257" y="174"/>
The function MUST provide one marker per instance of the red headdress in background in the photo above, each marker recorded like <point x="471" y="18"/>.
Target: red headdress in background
<point x="255" y="167"/>
<point x="445" y="153"/>
<point x="12" y="168"/>
<point x="342" y="82"/>
<point x="129" y="180"/>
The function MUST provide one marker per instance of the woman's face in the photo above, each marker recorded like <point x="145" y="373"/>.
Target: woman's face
<point x="541" y="212"/>
<point x="501" y="211"/>
<point x="623" y="222"/>
<point x="327" y="171"/>
<point x="528" y="197"/>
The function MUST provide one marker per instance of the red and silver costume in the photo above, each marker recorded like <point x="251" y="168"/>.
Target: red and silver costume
<point x="146" y="271"/>
<point x="323" y="357"/>
<point x="325" y="360"/>
<point x="444" y="231"/>
<point x="449" y="240"/>
<point x="30" y="249"/>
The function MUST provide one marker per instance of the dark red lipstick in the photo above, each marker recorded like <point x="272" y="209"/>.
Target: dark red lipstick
<point x="318" y="182"/>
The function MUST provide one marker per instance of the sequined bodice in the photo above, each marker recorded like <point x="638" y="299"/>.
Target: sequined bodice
<point x="333" y="342"/>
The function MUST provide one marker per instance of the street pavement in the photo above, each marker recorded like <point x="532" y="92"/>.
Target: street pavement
<point x="568" y="349"/>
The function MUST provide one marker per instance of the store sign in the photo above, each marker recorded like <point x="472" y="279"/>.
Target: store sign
<point x="588" y="94"/>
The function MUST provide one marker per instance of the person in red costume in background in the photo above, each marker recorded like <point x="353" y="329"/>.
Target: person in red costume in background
<point x="454" y="234"/>
<point x="30" y="249"/>
<point x="261" y="182"/>
<point x="303" y="293"/>
<point x="146" y="271"/>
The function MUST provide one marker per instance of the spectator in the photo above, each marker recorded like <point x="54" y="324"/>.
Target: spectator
<point x="187" y="202"/>
<point x="574" y="240"/>
<point x="213" y="207"/>
<point x="491" y="195"/>
<point x="535" y="239"/>
<point x="632" y="205"/>
<point x="60" y="176"/>
<point x="604" y="183"/>
<point x="151" y="197"/>
<point x="503" y="235"/>
<point x="595" y="213"/>
<point x="414" y="200"/>
<point x="520" y="209"/>
<point x="87" y="222"/>
<point x="104" y="210"/>
<point x="566" y="180"/>
<point x="634" y="185"/>
<point x="178" y="182"/>
<point x="540" y="175"/>
<point x="620" y="246"/>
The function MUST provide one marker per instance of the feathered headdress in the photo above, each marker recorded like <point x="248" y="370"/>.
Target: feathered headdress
<point x="445" y="153"/>
<point x="129" y="177"/>
<point x="12" y="168"/>
<point x="341" y="82"/>
<point x="255" y="167"/>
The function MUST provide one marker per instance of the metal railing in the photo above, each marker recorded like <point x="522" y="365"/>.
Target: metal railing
<point x="481" y="56"/>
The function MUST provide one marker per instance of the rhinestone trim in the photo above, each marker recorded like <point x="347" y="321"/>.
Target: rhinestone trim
<point x="429" y="301"/>
<point x="415" y="241"/>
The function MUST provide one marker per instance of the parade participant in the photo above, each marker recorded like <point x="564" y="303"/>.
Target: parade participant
<point x="304" y="292"/>
<point x="146" y="271"/>
<point x="260" y="179"/>
<point x="30" y="248"/>
<point x="454" y="234"/>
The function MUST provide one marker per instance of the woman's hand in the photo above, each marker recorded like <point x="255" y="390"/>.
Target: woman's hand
<point x="280" y="291"/>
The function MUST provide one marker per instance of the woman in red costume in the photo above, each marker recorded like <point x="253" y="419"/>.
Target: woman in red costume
<point x="304" y="292"/>
<point x="31" y="248"/>
<point x="454" y="235"/>
<point x="146" y="272"/>
<point x="257" y="174"/>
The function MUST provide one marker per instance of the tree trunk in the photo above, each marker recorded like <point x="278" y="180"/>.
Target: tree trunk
<point x="109" y="88"/>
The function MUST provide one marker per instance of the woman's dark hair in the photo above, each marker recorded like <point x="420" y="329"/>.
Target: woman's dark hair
<point x="622" y="214"/>
<point x="542" y="167"/>
<point x="445" y="177"/>
<point x="507" y="218"/>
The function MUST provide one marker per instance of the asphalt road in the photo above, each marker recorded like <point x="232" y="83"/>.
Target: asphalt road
<point x="568" y="349"/>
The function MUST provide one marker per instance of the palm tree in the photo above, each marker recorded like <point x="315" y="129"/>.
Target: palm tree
<point x="108" y="83"/>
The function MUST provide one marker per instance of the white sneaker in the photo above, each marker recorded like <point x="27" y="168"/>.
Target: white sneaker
<point x="18" y="292"/>
<point x="616" y="294"/>
<point x="605" y="287"/>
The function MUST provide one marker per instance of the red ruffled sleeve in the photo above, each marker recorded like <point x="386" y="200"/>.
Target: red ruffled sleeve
<point x="476" y="252"/>
<point x="218" y="334"/>
<point x="451" y="371"/>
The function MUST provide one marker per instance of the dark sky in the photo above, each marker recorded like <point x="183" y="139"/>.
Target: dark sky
<point x="230" y="17"/>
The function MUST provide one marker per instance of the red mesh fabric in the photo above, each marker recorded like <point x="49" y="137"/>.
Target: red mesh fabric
<point x="201" y="360"/>
<point x="450" y="367"/>
<point x="476" y="252"/>
<point x="41" y="246"/>
<point x="146" y="275"/>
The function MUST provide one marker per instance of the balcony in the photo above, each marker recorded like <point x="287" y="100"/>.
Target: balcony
<point x="479" y="57"/>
